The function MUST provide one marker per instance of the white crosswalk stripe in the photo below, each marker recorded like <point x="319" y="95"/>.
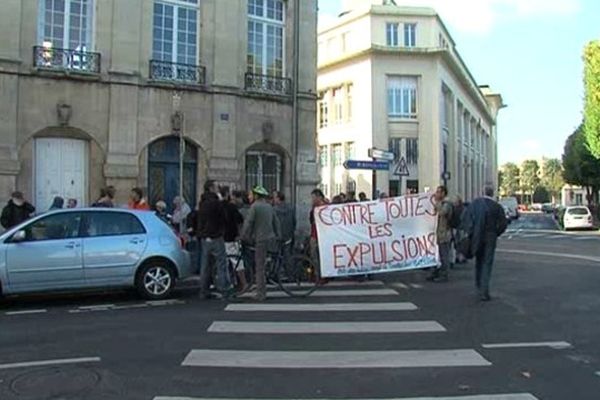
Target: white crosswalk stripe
<point x="351" y="300"/>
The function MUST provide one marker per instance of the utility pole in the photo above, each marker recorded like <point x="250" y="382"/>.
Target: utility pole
<point x="177" y="122"/>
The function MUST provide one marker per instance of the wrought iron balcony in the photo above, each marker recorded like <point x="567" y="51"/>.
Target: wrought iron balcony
<point x="167" y="71"/>
<point x="66" y="60"/>
<point x="268" y="84"/>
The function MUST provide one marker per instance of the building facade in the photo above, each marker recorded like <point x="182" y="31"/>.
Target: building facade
<point x="390" y="78"/>
<point x="99" y="92"/>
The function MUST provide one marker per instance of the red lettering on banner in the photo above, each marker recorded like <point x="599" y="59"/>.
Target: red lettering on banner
<point x="336" y="255"/>
<point x="365" y="250"/>
<point x="378" y="231"/>
<point x="397" y="249"/>
<point x="353" y="253"/>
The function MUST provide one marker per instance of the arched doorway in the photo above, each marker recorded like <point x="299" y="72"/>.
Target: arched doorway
<point x="163" y="171"/>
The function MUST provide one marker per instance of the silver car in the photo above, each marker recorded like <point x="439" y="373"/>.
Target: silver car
<point x="93" y="248"/>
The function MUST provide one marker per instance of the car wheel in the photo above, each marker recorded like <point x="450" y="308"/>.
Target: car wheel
<point x="155" y="280"/>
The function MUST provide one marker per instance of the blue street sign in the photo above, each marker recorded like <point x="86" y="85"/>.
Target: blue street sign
<point x="370" y="165"/>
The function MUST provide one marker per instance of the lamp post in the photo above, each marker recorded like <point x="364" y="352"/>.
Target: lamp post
<point x="177" y="125"/>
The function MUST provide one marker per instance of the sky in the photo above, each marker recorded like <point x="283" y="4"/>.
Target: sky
<point x="529" y="51"/>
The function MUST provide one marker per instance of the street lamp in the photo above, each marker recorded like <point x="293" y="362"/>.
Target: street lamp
<point x="177" y="121"/>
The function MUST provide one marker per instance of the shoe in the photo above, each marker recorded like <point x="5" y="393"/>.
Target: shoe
<point x="485" y="297"/>
<point x="259" y="298"/>
<point x="441" y="279"/>
<point x="432" y="277"/>
<point x="207" y="296"/>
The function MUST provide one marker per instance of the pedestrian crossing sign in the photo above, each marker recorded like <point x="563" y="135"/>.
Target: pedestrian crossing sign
<point x="401" y="168"/>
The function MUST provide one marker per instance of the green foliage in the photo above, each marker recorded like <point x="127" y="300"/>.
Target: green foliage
<point x="509" y="178"/>
<point x="530" y="178"/>
<point x="580" y="167"/>
<point x="591" y="113"/>
<point x="552" y="177"/>
<point x="541" y="195"/>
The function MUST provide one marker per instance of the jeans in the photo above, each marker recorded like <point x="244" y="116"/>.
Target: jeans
<point x="216" y="249"/>
<point x="444" y="249"/>
<point x="260" y="257"/>
<point x="484" y="260"/>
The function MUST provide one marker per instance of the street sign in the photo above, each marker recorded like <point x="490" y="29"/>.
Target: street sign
<point x="370" y="165"/>
<point x="381" y="154"/>
<point x="402" y="168"/>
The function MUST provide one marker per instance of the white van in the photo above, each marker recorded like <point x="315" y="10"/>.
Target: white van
<point x="512" y="205"/>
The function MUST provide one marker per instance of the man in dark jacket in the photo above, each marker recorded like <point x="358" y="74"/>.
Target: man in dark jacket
<point x="485" y="221"/>
<point x="16" y="211"/>
<point x="211" y="229"/>
<point x="286" y="215"/>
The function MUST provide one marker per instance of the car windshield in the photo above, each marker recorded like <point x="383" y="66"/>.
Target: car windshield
<point x="578" y="211"/>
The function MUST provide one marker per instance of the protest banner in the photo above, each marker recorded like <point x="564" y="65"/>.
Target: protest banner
<point x="394" y="234"/>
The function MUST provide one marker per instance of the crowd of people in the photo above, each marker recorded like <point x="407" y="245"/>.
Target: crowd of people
<point x="224" y="219"/>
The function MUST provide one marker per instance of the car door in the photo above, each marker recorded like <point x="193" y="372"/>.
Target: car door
<point x="48" y="256"/>
<point x="113" y="245"/>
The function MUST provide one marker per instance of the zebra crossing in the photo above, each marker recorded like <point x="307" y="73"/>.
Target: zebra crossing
<point x="355" y="309"/>
<point x="549" y="235"/>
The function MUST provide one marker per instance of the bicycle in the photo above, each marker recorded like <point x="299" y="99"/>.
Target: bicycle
<point x="295" y="274"/>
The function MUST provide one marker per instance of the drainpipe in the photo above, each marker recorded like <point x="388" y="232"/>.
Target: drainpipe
<point x="295" y="109"/>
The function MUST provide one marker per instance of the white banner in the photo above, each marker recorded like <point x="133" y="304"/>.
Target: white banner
<point x="394" y="234"/>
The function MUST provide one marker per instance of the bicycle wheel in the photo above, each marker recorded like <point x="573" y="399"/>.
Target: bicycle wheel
<point x="298" y="277"/>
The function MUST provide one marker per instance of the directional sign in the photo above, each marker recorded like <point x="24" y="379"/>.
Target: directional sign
<point x="402" y="168"/>
<point x="371" y="165"/>
<point x="381" y="154"/>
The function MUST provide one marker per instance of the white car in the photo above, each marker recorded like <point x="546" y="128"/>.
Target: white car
<point x="578" y="217"/>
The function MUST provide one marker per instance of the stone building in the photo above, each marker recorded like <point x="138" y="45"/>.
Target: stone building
<point x="96" y="93"/>
<point x="390" y="77"/>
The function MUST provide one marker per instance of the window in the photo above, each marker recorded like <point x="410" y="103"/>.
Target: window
<point x="412" y="151"/>
<point x="325" y="189"/>
<point x="336" y="155"/>
<point x="337" y="189"/>
<point x="410" y="32"/>
<point x="391" y="34"/>
<point x="324" y="156"/>
<point x="66" y="24"/>
<point x="323" y="110"/>
<point x="112" y="224"/>
<point x="266" y="25"/>
<point x="402" y="97"/>
<point x="338" y="105"/>
<point x="264" y="169"/>
<point x="54" y="227"/>
<point x="350" y="151"/>
<point x="349" y="105"/>
<point x="345" y="41"/>
<point x="175" y="31"/>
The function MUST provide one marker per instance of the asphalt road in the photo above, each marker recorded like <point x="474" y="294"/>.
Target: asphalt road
<point x="538" y="339"/>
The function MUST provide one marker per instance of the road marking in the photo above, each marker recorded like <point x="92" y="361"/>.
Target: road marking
<point x="164" y="302"/>
<point x="285" y="327"/>
<point x="515" y="396"/>
<point x="533" y="235"/>
<point x="323" y="307"/>
<point x="585" y="238"/>
<point x="552" y="345"/>
<point x="416" y="286"/>
<point x="335" y="359"/>
<point x="50" y="362"/>
<point x="97" y="307"/>
<point x="549" y="254"/>
<point x="25" y="312"/>
<point x="335" y="293"/>
<point x="400" y="285"/>
<point x="597" y="373"/>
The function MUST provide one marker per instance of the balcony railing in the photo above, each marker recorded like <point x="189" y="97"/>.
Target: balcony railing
<point x="66" y="60"/>
<point x="268" y="84"/>
<point x="167" y="71"/>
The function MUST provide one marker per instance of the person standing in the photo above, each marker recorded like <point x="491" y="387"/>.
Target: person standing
<point x="362" y="197"/>
<point x="485" y="222"/>
<point x="318" y="200"/>
<point x="72" y="203"/>
<point x="180" y="214"/>
<point x="286" y="215"/>
<point x="57" y="203"/>
<point x="211" y="231"/>
<point x="137" y="201"/>
<point x="16" y="211"/>
<point x="161" y="211"/>
<point x="444" y="234"/>
<point x="106" y="199"/>
<point x="233" y="224"/>
<point x="261" y="227"/>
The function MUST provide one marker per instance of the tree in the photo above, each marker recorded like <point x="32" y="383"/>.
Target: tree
<point x="541" y="195"/>
<point x="509" y="178"/>
<point x="552" y="177"/>
<point x="591" y="112"/>
<point x="580" y="167"/>
<point x="530" y="178"/>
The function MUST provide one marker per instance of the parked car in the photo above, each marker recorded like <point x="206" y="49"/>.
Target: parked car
<point x="578" y="217"/>
<point x="512" y="205"/>
<point x="92" y="248"/>
<point x="507" y="214"/>
<point x="536" y="207"/>
<point x="548" y="208"/>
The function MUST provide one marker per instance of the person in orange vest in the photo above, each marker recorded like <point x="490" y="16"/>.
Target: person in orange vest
<point x="137" y="201"/>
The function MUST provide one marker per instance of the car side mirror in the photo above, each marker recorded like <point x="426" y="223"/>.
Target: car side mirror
<point x="20" y="236"/>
